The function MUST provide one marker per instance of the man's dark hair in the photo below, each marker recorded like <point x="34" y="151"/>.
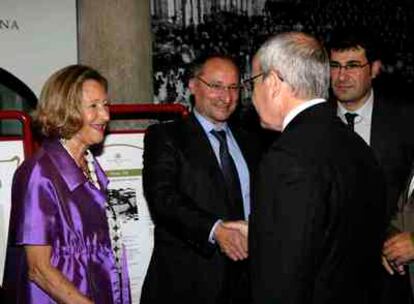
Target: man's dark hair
<point x="343" y="39"/>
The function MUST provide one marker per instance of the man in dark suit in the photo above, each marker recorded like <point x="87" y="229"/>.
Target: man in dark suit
<point x="197" y="183"/>
<point x="318" y="217"/>
<point x="382" y="119"/>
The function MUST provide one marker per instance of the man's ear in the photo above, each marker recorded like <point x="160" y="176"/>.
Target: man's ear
<point x="376" y="68"/>
<point x="191" y="85"/>
<point x="273" y="83"/>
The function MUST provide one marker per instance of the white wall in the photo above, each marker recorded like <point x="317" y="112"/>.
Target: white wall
<point x="37" y="37"/>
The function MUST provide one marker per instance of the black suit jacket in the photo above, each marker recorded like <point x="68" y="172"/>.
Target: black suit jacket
<point x="318" y="217"/>
<point x="186" y="194"/>
<point x="393" y="143"/>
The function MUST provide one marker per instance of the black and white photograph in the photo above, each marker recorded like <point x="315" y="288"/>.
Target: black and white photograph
<point x="207" y="151"/>
<point x="185" y="29"/>
<point x="123" y="203"/>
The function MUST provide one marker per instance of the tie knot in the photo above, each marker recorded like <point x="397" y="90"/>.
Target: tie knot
<point x="350" y="118"/>
<point x="220" y="135"/>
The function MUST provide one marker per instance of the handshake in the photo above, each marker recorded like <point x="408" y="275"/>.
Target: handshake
<point x="232" y="237"/>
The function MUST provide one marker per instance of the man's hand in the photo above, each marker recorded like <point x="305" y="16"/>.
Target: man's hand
<point x="242" y="226"/>
<point x="399" y="249"/>
<point x="231" y="240"/>
<point x="391" y="268"/>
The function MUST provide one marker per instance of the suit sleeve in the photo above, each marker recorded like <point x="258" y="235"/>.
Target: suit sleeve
<point x="286" y="229"/>
<point x="170" y="208"/>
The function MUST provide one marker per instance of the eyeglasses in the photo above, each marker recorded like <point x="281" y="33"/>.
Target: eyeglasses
<point x="351" y="67"/>
<point x="248" y="83"/>
<point x="218" y="88"/>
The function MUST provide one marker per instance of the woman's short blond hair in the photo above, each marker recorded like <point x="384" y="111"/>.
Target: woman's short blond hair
<point x="58" y="113"/>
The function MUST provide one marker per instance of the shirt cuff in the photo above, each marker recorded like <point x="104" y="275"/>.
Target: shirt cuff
<point x="211" y="238"/>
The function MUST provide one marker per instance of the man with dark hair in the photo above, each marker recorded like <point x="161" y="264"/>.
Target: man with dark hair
<point x="380" y="118"/>
<point x="371" y="113"/>
<point x="196" y="179"/>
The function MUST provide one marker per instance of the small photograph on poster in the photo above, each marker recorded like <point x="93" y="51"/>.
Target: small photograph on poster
<point x="123" y="202"/>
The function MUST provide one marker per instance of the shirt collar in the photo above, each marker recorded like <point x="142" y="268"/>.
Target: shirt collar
<point x="207" y="125"/>
<point x="67" y="167"/>
<point x="364" y="112"/>
<point x="300" y="108"/>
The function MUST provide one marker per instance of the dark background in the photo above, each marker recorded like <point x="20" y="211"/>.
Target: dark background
<point x="183" y="29"/>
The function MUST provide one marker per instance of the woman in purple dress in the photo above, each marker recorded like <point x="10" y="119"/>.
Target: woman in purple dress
<point x="59" y="198"/>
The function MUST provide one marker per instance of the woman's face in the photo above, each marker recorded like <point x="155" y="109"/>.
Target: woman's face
<point x="95" y="113"/>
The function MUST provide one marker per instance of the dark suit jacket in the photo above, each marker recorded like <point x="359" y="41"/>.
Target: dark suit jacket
<point x="185" y="191"/>
<point x="392" y="141"/>
<point x="393" y="145"/>
<point x="318" y="217"/>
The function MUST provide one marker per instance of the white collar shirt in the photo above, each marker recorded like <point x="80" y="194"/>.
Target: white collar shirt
<point x="300" y="108"/>
<point x="362" y="124"/>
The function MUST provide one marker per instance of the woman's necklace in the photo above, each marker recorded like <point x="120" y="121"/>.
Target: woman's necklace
<point x="111" y="215"/>
<point x="86" y="166"/>
<point x="90" y="167"/>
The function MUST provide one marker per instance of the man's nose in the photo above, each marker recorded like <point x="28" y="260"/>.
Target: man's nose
<point x="342" y="72"/>
<point x="228" y="95"/>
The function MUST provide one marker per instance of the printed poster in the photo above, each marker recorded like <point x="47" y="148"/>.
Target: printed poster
<point x="11" y="156"/>
<point x="122" y="161"/>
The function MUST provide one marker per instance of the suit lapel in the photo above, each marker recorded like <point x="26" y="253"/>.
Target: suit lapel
<point x="199" y="147"/>
<point x="377" y="126"/>
<point x="382" y="123"/>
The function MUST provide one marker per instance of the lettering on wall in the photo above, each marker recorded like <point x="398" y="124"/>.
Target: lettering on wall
<point x="9" y="24"/>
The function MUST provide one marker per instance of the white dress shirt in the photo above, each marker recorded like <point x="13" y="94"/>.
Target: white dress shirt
<point x="300" y="108"/>
<point x="239" y="161"/>
<point x="362" y="124"/>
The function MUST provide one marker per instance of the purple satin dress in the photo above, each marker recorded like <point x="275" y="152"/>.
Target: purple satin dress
<point x="55" y="204"/>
